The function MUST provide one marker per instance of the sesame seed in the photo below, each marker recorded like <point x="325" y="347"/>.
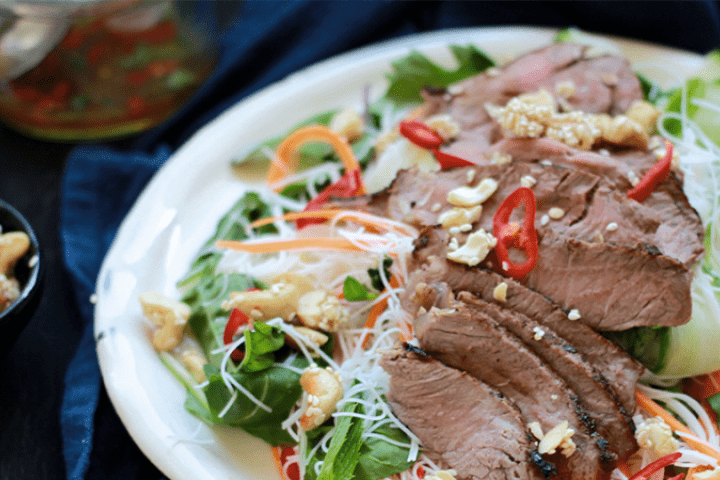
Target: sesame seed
<point x="454" y="230"/>
<point x="435" y="207"/>
<point x="556" y="213"/>
<point x="544" y="220"/>
<point x="527" y="181"/>
<point x="633" y="178"/>
<point x="470" y="176"/>
<point x="611" y="227"/>
<point x="455" y="89"/>
<point x="546" y="163"/>
<point x="574" y="314"/>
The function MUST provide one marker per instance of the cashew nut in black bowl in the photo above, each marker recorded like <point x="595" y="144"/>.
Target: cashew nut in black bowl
<point x="20" y="275"/>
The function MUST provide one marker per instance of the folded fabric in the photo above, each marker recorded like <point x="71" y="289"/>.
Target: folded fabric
<point x="268" y="41"/>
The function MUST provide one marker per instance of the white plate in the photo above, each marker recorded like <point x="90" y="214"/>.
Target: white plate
<point x="180" y="207"/>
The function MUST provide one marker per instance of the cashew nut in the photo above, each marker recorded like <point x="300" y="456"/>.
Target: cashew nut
<point x="194" y="362"/>
<point x="9" y="291"/>
<point x="348" y="124"/>
<point x="621" y="130"/>
<point x="324" y="391"/>
<point x="644" y="113"/>
<point x="320" y="309"/>
<point x="170" y="315"/>
<point x="312" y="336"/>
<point x="13" y="245"/>
<point x="280" y="300"/>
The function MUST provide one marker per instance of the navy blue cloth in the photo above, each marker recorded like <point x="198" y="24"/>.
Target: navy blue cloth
<point x="265" y="43"/>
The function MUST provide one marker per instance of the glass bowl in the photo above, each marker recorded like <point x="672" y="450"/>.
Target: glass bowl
<point x="92" y="69"/>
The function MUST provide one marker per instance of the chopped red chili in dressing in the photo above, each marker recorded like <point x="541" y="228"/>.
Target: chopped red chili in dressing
<point x="522" y="236"/>
<point x="654" y="177"/>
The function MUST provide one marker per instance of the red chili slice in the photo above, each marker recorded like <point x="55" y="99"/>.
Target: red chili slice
<point x="522" y="236"/>
<point x="662" y="462"/>
<point x="449" y="161"/>
<point x="237" y="318"/>
<point x="349" y="185"/>
<point x="654" y="176"/>
<point x="420" y="134"/>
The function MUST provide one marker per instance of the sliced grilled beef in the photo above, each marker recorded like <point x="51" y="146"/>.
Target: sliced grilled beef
<point x="611" y="420"/>
<point x="613" y="287"/>
<point x="620" y="371"/>
<point x="460" y="420"/>
<point x="591" y="203"/>
<point x="601" y="85"/>
<point x="462" y="337"/>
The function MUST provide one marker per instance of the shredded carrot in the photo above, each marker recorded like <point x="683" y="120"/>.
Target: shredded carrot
<point x="693" y="470"/>
<point x="278" y="460"/>
<point x="703" y="386"/>
<point x="295" y="244"/>
<point x="624" y="468"/>
<point x="364" y="219"/>
<point x="287" y="148"/>
<point x="654" y="409"/>
<point x="377" y="309"/>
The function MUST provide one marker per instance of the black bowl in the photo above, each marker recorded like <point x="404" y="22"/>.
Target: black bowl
<point x="27" y="270"/>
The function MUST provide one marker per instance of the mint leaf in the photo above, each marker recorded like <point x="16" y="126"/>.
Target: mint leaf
<point x="344" y="450"/>
<point x="412" y="73"/>
<point x="260" y="344"/>
<point x="354" y="291"/>
<point x="374" y="273"/>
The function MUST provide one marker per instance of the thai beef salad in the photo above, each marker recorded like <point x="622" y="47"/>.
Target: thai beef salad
<point x="493" y="271"/>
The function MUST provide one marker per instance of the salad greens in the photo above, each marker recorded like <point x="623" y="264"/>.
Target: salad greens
<point x="411" y="74"/>
<point x="354" y="291"/>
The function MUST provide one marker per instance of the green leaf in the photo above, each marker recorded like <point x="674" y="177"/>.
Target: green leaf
<point x="714" y="402"/>
<point x="230" y="227"/>
<point x="381" y="459"/>
<point x="307" y="152"/>
<point x="207" y="317"/>
<point x="410" y="74"/>
<point x="276" y="387"/>
<point x="344" y="450"/>
<point x="649" y="345"/>
<point x="354" y="291"/>
<point x="374" y="273"/>
<point x="196" y="407"/>
<point x="706" y="118"/>
<point x="260" y="344"/>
